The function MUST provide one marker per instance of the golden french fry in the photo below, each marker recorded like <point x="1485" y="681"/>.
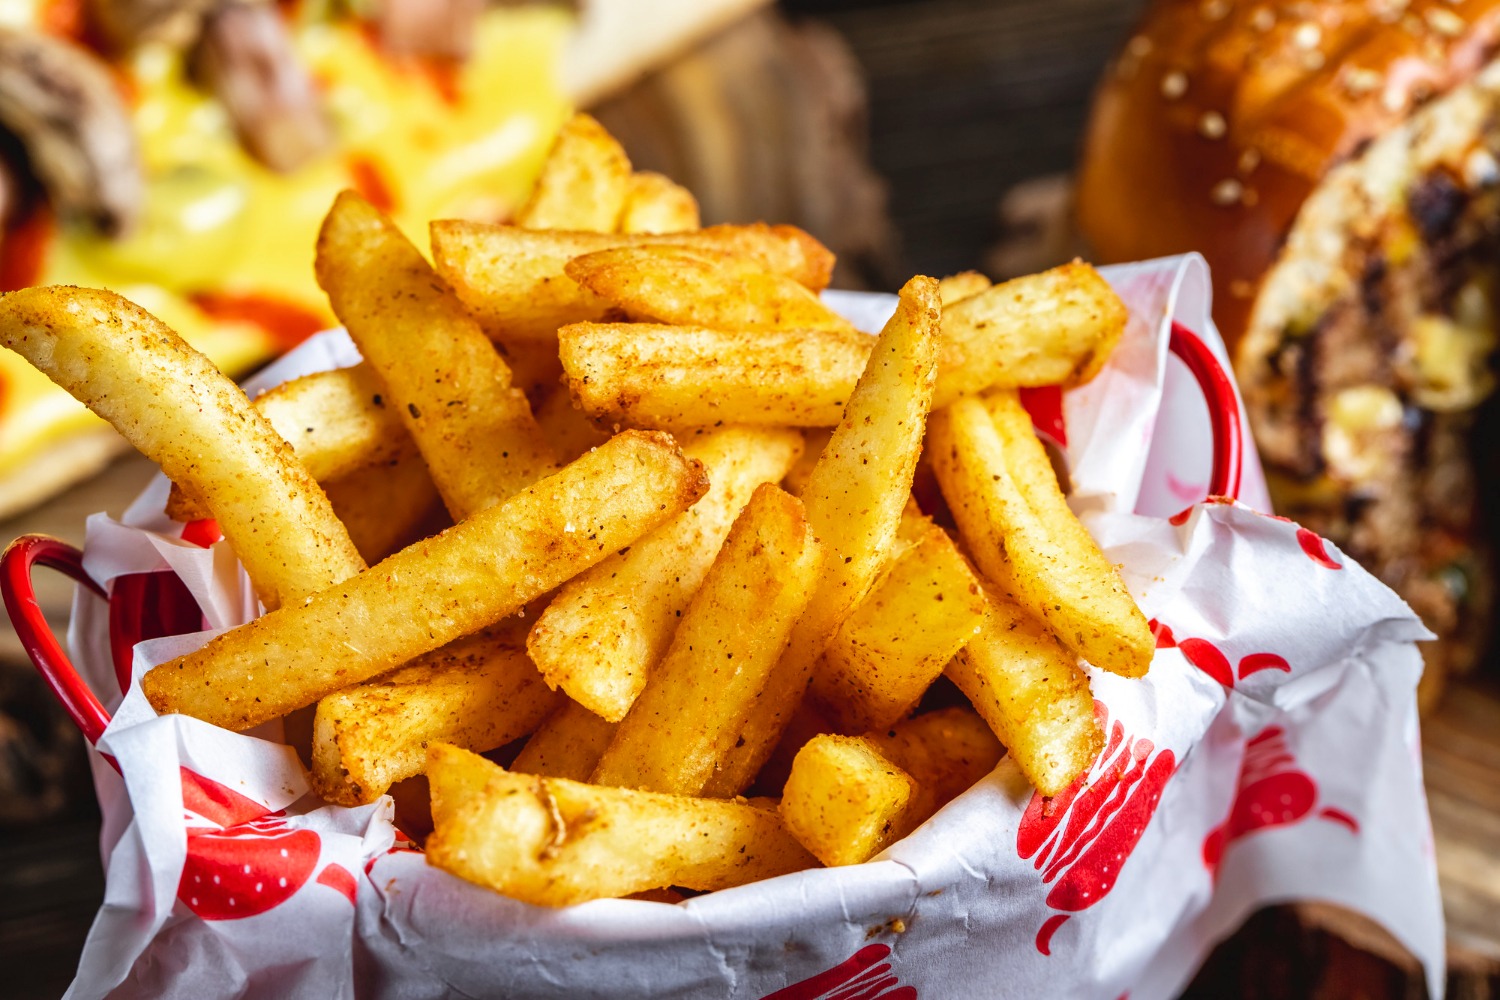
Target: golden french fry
<point x="854" y="499"/>
<point x="478" y="693"/>
<point x="568" y="430"/>
<point x="814" y="440"/>
<point x="656" y="204"/>
<point x="555" y="842"/>
<point x="174" y="406"/>
<point x="512" y="281"/>
<point x="894" y="645"/>
<point x="583" y="182"/>
<point x="602" y="633"/>
<point x="444" y="378"/>
<point x="844" y="801"/>
<point x="1053" y="328"/>
<point x="945" y="752"/>
<point x="1030" y="690"/>
<point x="650" y="375"/>
<point x="684" y="286"/>
<point x="964" y="285"/>
<point x="690" y="714"/>
<point x="385" y="507"/>
<point x="567" y="745"/>
<point x="435" y="591"/>
<point x="1017" y="525"/>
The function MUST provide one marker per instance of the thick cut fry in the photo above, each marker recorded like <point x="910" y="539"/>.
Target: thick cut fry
<point x="568" y="745"/>
<point x="1053" y="328"/>
<point x="854" y="499"/>
<point x="1030" y="690"/>
<point x="895" y="644"/>
<point x="683" y="286"/>
<point x="600" y="636"/>
<point x="964" y="285"/>
<point x="844" y="800"/>
<point x="512" y="279"/>
<point x="385" y="507"/>
<point x="555" y="842"/>
<point x="814" y="440"/>
<point x="445" y="380"/>
<point x="425" y="596"/>
<point x="172" y="404"/>
<point x="1017" y="525"/>
<point x="337" y="422"/>
<point x="650" y="375"/>
<point x="656" y="204"/>
<point x="583" y="182"/>
<point x="686" y="721"/>
<point x="479" y="693"/>
<point x="945" y="752"/>
<point x="568" y="430"/>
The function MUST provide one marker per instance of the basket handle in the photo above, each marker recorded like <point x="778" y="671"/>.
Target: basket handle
<point x="1223" y="410"/>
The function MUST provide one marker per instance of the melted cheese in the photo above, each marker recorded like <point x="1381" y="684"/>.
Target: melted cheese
<point x="216" y="221"/>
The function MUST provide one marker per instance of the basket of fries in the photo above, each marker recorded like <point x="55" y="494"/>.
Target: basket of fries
<point x="801" y="646"/>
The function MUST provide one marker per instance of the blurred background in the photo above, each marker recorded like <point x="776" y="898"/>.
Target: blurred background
<point x="912" y="137"/>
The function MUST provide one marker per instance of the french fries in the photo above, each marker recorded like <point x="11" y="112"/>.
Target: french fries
<point x="555" y="842"/>
<point x="435" y="591"/>
<point x="512" y="279"/>
<point x="386" y="507"/>
<point x="687" y="720"/>
<point x="133" y="371"/>
<point x="445" y="381"/>
<point x="606" y="628"/>
<point x="583" y="183"/>
<point x="964" y="285"/>
<point x="656" y="204"/>
<point x="568" y="745"/>
<point x="945" y="752"/>
<point x="844" y="800"/>
<point x="479" y="693"/>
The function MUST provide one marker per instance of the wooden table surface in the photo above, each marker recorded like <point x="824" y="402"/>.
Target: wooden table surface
<point x="967" y="99"/>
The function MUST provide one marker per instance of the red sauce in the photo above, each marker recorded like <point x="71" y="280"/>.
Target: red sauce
<point x="370" y="182"/>
<point x="24" y="250"/>
<point x="287" y="322"/>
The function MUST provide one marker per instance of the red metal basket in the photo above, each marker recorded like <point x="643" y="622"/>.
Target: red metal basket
<point x="150" y="605"/>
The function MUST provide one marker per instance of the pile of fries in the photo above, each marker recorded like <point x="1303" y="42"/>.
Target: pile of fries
<point x="617" y="500"/>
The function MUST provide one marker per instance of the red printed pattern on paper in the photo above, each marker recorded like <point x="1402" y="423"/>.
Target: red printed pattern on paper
<point x="862" y="976"/>
<point x="1211" y="660"/>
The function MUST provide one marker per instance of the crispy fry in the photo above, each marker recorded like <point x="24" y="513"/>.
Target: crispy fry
<point x="1028" y="687"/>
<point x="844" y="800"/>
<point x="600" y="636"/>
<point x="688" y="717"/>
<point x="854" y="499"/>
<point x="945" y="752"/>
<point x="173" y="405"/>
<point x="894" y="645"/>
<point x="583" y="183"/>
<point x="656" y="204"/>
<point x="685" y="286"/>
<point x="555" y="842"/>
<point x="1017" y="525"/>
<point x="512" y="281"/>
<point x="964" y="285"/>
<point x="1053" y="328"/>
<point x="568" y="745"/>
<point x="814" y="440"/>
<point x="445" y="380"/>
<point x="427" y="595"/>
<point x="479" y="693"/>
<point x="650" y="375"/>
<point x="568" y="430"/>
<point x="386" y="507"/>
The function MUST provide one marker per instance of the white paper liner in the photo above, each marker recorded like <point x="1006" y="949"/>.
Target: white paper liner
<point x="1271" y="754"/>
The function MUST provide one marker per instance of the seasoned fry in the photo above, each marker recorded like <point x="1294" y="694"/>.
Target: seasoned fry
<point x="512" y="279"/>
<point x="1017" y="525"/>
<point x="386" y="507"/>
<point x="945" y="752"/>
<point x="583" y="183"/>
<point x="568" y="430"/>
<point x="650" y="375"/>
<point x="655" y="204"/>
<point x="479" y="693"/>
<point x="174" y="406"/>
<point x="686" y="721"/>
<point x="568" y="745"/>
<point x="1053" y="328"/>
<point x="465" y="579"/>
<point x="600" y="636"/>
<point x="445" y="380"/>
<point x="814" y="440"/>
<point x="854" y="500"/>
<point x="964" y="285"/>
<point x="895" y="644"/>
<point x="1030" y="690"/>
<point x="685" y="286"/>
<point x="844" y="800"/>
<point x="555" y="842"/>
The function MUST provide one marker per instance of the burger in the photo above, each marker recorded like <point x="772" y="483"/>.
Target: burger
<point x="183" y="153"/>
<point x="1338" y="164"/>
